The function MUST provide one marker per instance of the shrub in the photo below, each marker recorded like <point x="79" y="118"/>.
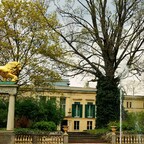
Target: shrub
<point x="136" y="121"/>
<point x="49" y="111"/>
<point x="113" y="123"/>
<point x="32" y="110"/>
<point x="25" y="131"/>
<point x="125" y="125"/>
<point x="26" y="107"/>
<point x="46" y="126"/>
<point x="3" y="112"/>
<point x="98" y="132"/>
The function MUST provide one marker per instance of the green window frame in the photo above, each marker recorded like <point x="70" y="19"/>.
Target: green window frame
<point x="90" y="110"/>
<point x="77" y="110"/>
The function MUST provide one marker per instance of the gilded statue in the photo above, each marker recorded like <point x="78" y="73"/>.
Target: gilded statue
<point x="10" y="71"/>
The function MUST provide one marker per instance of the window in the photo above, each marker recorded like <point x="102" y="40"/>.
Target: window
<point x="90" y="110"/>
<point x="76" y="125"/>
<point x="129" y="104"/>
<point x="76" y="109"/>
<point x="63" y="104"/>
<point x="89" y="125"/>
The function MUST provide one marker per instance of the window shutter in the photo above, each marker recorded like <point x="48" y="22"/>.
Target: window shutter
<point x="86" y="111"/>
<point x="73" y="110"/>
<point x="81" y="111"/>
<point x="93" y="109"/>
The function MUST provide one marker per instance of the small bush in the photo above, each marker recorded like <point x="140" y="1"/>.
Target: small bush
<point x="3" y="112"/>
<point x="25" y="131"/>
<point x="125" y="125"/>
<point x="113" y="123"/>
<point x="46" y="126"/>
<point x="98" y="132"/>
<point x="3" y="118"/>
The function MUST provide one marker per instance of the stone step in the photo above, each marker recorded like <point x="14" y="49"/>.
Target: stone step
<point x="83" y="137"/>
<point x="90" y="143"/>
<point x="86" y="141"/>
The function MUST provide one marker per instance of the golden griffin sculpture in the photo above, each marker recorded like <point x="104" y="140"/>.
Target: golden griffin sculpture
<point x="10" y="71"/>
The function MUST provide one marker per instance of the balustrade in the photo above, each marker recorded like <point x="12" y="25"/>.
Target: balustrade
<point x="130" y="139"/>
<point x="38" y="139"/>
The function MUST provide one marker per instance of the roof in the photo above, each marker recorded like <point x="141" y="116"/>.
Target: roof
<point x="63" y="82"/>
<point x="68" y="89"/>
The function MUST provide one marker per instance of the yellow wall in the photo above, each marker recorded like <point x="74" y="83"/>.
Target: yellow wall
<point x="134" y="103"/>
<point x="72" y="95"/>
<point x="82" y="95"/>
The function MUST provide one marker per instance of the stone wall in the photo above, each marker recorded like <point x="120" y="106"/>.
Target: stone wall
<point x="7" y="137"/>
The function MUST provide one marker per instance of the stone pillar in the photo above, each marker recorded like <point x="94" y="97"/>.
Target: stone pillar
<point x="113" y="128"/>
<point x="9" y="88"/>
<point x="34" y="139"/>
<point x="7" y="137"/>
<point x="65" y="138"/>
<point x="11" y="111"/>
<point x="65" y="135"/>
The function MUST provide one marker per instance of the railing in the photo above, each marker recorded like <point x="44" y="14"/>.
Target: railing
<point x="126" y="138"/>
<point x="130" y="139"/>
<point x="39" y="139"/>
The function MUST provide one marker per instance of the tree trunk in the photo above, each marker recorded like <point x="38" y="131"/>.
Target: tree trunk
<point x="107" y="101"/>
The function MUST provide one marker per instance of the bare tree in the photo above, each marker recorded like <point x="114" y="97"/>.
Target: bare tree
<point x="102" y="37"/>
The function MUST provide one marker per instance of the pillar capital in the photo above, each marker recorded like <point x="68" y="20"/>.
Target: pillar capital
<point x="10" y="89"/>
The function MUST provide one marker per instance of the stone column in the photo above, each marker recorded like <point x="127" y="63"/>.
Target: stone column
<point x="65" y="135"/>
<point x="9" y="88"/>
<point x="113" y="128"/>
<point x="7" y="137"/>
<point x="11" y="111"/>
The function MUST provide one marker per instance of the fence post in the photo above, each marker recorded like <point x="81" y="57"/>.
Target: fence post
<point x="34" y="139"/>
<point x="65" y="135"/>
<point x="113" y="128"/>
<point x="65" y="138"/>
<point x="7" y="137"/>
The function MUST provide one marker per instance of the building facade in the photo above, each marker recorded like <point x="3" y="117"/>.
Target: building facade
<point x="134" y="103"/>
<point x="79" y="104"/>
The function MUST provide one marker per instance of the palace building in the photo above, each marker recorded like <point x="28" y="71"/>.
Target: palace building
<point x="78" y="103"/>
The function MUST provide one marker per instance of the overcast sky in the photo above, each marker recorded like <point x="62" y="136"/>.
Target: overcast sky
<point x="131" y="84"/>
